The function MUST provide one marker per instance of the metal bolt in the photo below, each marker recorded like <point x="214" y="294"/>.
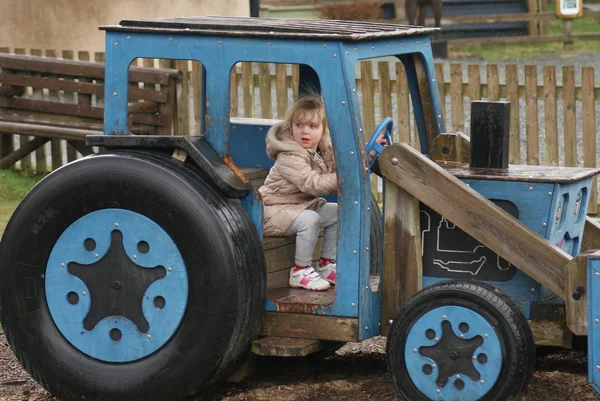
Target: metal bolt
<point x="354" y="252"/>
<point x="532" y="290"/>
<point x="481" y="381"/>
<point x="388" y="46"/>
<point x="366" y="328"/>
<point x="485" y="336"/>
<point x="356" y="49"/>
<point x="334" y="55"/>
<point x="596" y="274"/>
<point x="544" y="224"/>
<point x="458" y="376"/>
<point x="417" y="42"/>
<point x="372" y="47"/>
<point x="367" y="249"/>
<point x="438" y="390"/>
<point x="597" y="367"/>
<point x="360" y="130"/>
<point x="436" y="339"/>
<point x="268" y="43"/>
<point x="116" y="43"/>
<point x="134" y="257"/>
<point x="95" y="255"/>
<point x="353" y="89"/>
<point x="443" y="317"/>
<point x="323" y="46"/>
<point x="390" y="322"/>
<point x="367" y="287"/>
<point x="368" y="208"/>
<point x="83" y="293"/>
<point x="401" y="43"/>
<point x="414" y="351"/>
<point x="116" y="224"/>
<point x="355" y="203"/>
<point x="433" y="366"/>
<point x="62" y="265"/>
<point x="530" y="188"/>
<point x="394" y="161"/>
<point x="426" y="44"/>
<point x="433" y="80"/>
<point x="343" y="103"/>
<point x="596" y="321"/>
<point x="149" y="336"/>
<point x="169" y="269"/>
<point x="220" y="41"/>
<point x="352" y="305"/>
<point x="549" y="193"/>
<point x="351" y="153"/>
<point x="171" y="39"/>
<point x="462" y="336"/>
<point x="474" y="358"/>
<point x="347" y="53"/>
<point x="114" y="93"/>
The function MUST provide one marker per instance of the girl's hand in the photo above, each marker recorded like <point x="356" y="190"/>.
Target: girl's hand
<point x="382" y="141"/>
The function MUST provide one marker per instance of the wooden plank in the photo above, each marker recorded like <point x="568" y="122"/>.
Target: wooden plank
<point x="41" y="164"/>
<point x="570" y="118"/>
<point x="551" y="333"/>
<point x="7" y="144"/>
<point x="70" y="99"/>
<point x="295" y="81"/>
<point x="475" y="215"/>
<point x="511" y="17"/>
<point x="46" y="131"/>
<point x="439" y="76"/>
<point x="281" y="90"/>
<point x="508" y="40"/>
<point x="474" y="84"/>
<point x="550" y="117"/>
<point x="368" y="98"/>
<point x="588" y="112"/>
<point x="286" y="347"/>
<point x="456" y="97"/>
<point x="264" y="86"/>
<point x="182" y="111"/>
<point x="512" y="85"/>
<point x="197" y="99"/>
<point x="233" y="92"/>
<point x="493" y="82"/>
<point x="385" y="89"/>
<point x="25" y="149"/>
<point x="532" y="25"/>
<point x="81" y="148"/>
<point x="531" y="115"/>
<point x="451" y="147"/>
<point x="402" y="259"/>
<point x="26" y="161"/>
<point x="55" y="147"/>
<point x="426" y="104"/>
<point x="248" y="90"/>
<point x="296" y="325"/>
<point x="576" y="299"/>
<point x="543" y="25"/>
<point x="402" y="94"/>
<point x="591" y="235"/>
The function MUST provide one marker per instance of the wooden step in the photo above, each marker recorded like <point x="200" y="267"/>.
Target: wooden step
<point x="286" y="347"/>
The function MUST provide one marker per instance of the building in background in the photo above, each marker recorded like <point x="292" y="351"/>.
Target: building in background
<point x="73" y="24"/>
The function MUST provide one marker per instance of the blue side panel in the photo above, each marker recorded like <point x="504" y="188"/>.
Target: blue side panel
<point x="247" y="144"/>
<point x="533" y="202"/>
<point x="593" y="293"/>
<point x="254" y="208"/>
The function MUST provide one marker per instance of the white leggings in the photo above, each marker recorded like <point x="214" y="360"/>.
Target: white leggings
<point x="307" y="226"/>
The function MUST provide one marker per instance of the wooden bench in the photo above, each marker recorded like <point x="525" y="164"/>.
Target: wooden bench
<point x="56" y="99"/>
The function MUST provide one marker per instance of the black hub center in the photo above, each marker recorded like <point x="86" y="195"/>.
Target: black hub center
<point x="116" y="284"/>
<point x="453" y="354"/>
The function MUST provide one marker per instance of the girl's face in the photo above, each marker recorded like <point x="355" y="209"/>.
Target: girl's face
<point x="307" y="130"/>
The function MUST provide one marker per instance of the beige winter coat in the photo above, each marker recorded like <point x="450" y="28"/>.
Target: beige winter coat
<point x="296" y="180"/>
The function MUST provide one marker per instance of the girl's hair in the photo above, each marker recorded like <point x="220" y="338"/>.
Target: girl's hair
<point x="303" y="105"/>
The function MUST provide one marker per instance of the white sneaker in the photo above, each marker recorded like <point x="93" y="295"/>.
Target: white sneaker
<point x="308" y="279"/>
<point x="328" y="272"/>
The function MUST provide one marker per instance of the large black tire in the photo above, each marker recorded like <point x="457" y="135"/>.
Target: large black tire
<point x="503" y="323"/>
<point x="220" y="247"/>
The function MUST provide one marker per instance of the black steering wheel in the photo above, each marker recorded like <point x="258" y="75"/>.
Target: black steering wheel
<point x="386" y="124"/>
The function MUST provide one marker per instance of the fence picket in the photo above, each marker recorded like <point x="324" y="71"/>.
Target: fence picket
<point x="233" y="92"/>
<point x="589" y="130"/>
<point x="403" y="103"/>
<point x="474" y="85"/>
<point x="531" y="115"/>
<point x="281" y="89"/>
<point x="456" y="98"/>
<point x="248" y="90"/>
<point x="570" y="122"/>
<point x="197" y="97"/>
<point x="439" y="73"/>
<point x="550" y="118"/>
<point x="385" y="89"/>
<point x="264" y="84"/>
<point x="26" y="163"/>
<point x="512" y="86"/>
<point x="41" y="164"/>
<point x="69" y="98"/>
<point x="493" y="82"/>
<point x="7" y="143"/>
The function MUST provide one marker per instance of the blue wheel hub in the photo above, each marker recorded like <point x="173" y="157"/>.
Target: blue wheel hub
<point x="453" y="353"/>
<point x="116" y="285"/>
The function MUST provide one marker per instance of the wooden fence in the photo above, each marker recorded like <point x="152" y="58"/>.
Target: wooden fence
<point x="544" y="110"/>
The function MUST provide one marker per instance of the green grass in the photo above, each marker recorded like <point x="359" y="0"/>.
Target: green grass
<point x="555" y="27"/>
<point x="13" y="187"/>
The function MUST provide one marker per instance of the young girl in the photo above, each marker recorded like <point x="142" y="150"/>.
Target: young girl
<point x="304" y="170"/>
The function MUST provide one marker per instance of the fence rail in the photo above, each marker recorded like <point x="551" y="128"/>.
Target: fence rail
<point x="552" y="122"/>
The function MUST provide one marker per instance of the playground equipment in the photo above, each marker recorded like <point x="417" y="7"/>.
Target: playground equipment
<point x="141" y="273"/>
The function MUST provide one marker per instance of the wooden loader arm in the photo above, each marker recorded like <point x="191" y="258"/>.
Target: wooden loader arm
<point x="475" y="215"/>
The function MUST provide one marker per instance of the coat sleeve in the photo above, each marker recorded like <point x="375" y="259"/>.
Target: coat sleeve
<point x="297" y="171"/>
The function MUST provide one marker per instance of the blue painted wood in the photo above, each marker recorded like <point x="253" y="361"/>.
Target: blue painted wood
<point x="173" y="287"/>
<point x="478" y="326"/>
<point x="254" y="208"/>
<point x="593" y="293"/>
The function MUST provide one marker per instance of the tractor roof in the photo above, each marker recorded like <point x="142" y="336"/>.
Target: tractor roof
<point x="271" y="28"/>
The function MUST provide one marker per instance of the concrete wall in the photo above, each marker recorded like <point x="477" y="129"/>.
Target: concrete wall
<point x="73" y="24"/>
